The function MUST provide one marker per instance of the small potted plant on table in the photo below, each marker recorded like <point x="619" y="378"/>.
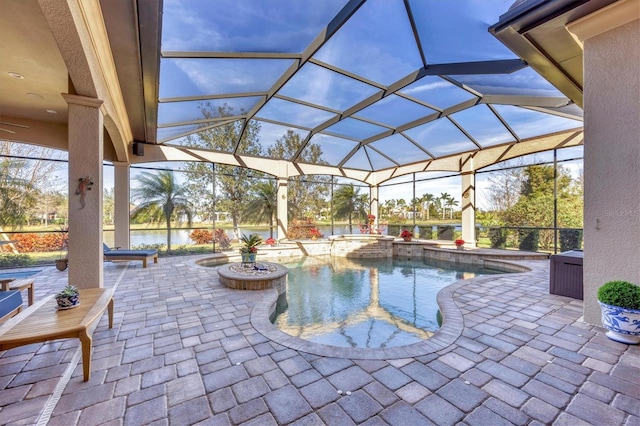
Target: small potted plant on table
<point x="68" y="298"/>
<point x="459" y="244"/>
<point x="620" y="305"/>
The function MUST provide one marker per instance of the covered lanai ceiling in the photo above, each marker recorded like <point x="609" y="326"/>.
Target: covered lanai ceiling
<point x="375" y="85"/>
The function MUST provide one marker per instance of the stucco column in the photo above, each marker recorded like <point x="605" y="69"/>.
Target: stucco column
<point x="283" y="223"/>
<point x="85" y="191"/>
<point x="469" y="209"/>
<point x="611" y="148"/>
<point x="374" y="196"/>
<point x="121" y="204"/>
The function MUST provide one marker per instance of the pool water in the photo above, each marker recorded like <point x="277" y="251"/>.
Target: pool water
<point x="368" y="303"/>
<point x="18" y="274"/>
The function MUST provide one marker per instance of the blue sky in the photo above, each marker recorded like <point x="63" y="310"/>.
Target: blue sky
<point x="372" y="50"/>
<point x="375" y="48"/>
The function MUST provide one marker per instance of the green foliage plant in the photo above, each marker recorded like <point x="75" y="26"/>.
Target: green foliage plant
<point x="620" y="293"/>
<point x="446" y="232"/>
<point x="12" y="260"/>
<point x="68" y="291"/>
<point x="250" y="244"/>
<point x="160" y="196"/>
<point x="498" y="237"/>
<point x="528" y="238"/>
<point x="570" y="239"/>
<point x="159" y="247"/>
<point x="350" y="204"/>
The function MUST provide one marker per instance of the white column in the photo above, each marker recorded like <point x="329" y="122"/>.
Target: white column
<point x="121" y="204"/>
<point x="85" y="191"/>
<point x="283" y="223"/>
<point x="374" y="196"/>
<point x="469" y="209"/>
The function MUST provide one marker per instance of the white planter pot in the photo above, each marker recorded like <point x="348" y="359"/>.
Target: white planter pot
<point x="623" y="324"/>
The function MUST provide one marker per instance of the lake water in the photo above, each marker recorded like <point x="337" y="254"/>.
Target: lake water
<point x="181" y="236"/>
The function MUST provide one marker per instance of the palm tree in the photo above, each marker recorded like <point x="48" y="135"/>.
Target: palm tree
<point x="264" y="204"/>
<point x="160" y="196"/>
<point x="389" y="205"/>
<point x="427" y="199"/>
<point x="415" y="206"/>
<point x="347" y="202"/>
<point x="444" y="198"/>
<point x="451" y="202"/>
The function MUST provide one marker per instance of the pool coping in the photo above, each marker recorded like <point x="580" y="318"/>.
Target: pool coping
<point x="451" y="330"/>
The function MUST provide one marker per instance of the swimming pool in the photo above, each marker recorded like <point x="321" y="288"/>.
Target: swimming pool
<point x="368" y="303"/>
<point x="18" y="274"/>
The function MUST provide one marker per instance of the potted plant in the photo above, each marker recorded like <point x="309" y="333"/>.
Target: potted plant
<point x="406" y="235"/>
<point x="250" y="247"/>
<point x="620" y="305"/>
<point x="68" y="298"/>
<point x="459" y="244"/>
<point x="315" y="233"/>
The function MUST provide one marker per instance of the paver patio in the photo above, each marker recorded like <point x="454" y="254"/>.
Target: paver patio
<point x="186" y="350"/>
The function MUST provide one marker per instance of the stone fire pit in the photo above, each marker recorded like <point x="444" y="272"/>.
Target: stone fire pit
<point x="258" y="276"/>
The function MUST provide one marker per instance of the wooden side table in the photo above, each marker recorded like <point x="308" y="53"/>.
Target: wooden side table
<point x="42" y="322"/>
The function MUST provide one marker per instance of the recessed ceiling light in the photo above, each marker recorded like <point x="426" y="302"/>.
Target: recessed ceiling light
<point x="16" y="75"/>
<point x="34" y="95"/>
<point x="51" y="111"/>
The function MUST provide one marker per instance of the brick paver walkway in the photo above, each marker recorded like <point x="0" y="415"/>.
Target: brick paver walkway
<point x="186" y="350"/>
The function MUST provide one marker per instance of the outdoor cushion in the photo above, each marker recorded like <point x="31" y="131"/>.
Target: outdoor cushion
<point x="133" y="253"/>
<point x="9" y="301"/>
<point x="143" y="255"/>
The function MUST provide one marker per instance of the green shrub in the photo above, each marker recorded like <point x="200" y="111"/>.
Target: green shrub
<point x="159" y="247"/>
<point x="498" y="237"/>
<point x="570" y="239"/>
<point x="11" y="260"/>
<point x="528" y="239"/>
<point x="620" y="293"/>
<point x="445" y="232"/>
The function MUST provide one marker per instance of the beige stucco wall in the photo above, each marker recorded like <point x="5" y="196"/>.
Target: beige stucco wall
<point x="611" y="161"/>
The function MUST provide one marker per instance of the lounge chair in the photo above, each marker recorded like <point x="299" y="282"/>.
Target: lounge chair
<point x="10" y="304"/>
<point x="143" y="255"/>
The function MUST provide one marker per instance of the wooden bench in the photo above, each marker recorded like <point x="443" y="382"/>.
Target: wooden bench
<point x="20" y="284"/>
<point x="42" y="322"/>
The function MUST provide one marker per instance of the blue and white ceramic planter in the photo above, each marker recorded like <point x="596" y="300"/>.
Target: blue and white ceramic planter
<point x="623" y="324"/>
